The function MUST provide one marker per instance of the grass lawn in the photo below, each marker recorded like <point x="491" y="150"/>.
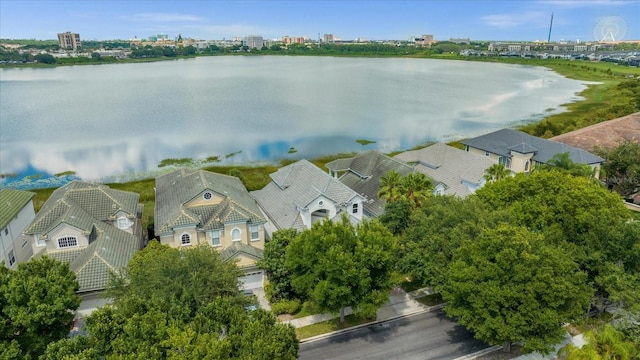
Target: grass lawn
<point x="329" y="326"/>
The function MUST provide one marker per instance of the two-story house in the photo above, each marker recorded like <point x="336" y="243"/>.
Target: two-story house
<point x="16" y="213"/>
<point x="520" y="152"/>
<point x="92" y="227"/>
<point x="453" y="171"/>
<point x="300" y="194"/>
<point x="195" y="207"/>
<point x="362" y="173"/>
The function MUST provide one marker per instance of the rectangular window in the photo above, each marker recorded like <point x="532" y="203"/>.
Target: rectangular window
<point x="486" y="153"/>
<point x="215" y="238"/>
<point x="12" y="258"/>
<point x="123" y="223"/>
<point x="255" y="232"/>
<point x="355" y="209"/>
<point x="6" y="231"/>
<point x="40" y="241"/>
<point x="67" y="241"/>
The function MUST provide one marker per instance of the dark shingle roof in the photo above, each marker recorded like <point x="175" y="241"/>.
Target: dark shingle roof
<point x="363" y="176"/>
<point x="177" y="188"/>
<point x="11" y="202"/>
<point x="501" y="142"/>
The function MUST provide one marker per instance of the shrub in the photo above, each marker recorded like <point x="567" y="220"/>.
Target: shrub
<point x="286" y="307"/>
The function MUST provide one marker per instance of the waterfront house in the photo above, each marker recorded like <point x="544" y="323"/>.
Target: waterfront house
<point x="520" y="152"/>
<point x="196" y="207"/>
<point x="362" y="173"/>
<point x="453" y="171"/>
<point x="92" y="227"/>
<point x="300" y="194"/>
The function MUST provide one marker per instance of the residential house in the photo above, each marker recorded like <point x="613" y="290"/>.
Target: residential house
<point x="300" y="194"/>
<point x="92" y="227"/>
<point x="195" y="207"/>
<point x="453" y="171"/>
<point x="16" y="213"/>
<point x="362" y="173"/>
<point x="520" y="152"/>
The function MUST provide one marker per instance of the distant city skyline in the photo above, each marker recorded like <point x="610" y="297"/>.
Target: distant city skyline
<point x="518" y="20"/>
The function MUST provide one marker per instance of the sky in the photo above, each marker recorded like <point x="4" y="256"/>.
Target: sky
<point x="518" y="20"/>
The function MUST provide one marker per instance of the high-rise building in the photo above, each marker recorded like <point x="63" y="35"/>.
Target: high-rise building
<point x="328" y="38"/>
<point x="254" y="42"/>
<point x="69" y="41"/>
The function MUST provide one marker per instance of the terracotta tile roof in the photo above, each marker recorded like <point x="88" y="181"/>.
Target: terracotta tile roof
<point x="607" y="134"/>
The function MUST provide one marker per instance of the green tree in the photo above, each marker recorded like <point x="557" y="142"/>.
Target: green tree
<point x="390" y="186"/>
<point x="273" y="263"/>
<point x="510" y="286"/>
<point x="606" y="343"/>
<point x="573" y="211"/>
<point x="45" y="59"/>
<point x="416" y="188"/>
<point x="179" y="304"/>
<point x="339" y="265"/>
<point x="496" y="172"/>
<point x="434" y="232"/>
<point x="37" y="301"/>
<point x="622" y="167"/>
<point x="563" y="162"/>
<point x="396" y="216"/>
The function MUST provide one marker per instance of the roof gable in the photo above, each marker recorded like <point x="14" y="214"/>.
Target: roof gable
<point x="180" y="201"/>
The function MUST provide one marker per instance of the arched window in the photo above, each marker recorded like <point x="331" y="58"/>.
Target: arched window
<point x="235" y="234"/>
<point x="185" y="239"/>
<point x="526" y="165"/>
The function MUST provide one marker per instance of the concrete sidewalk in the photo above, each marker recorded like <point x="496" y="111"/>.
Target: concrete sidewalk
<point x="400" y="304"/>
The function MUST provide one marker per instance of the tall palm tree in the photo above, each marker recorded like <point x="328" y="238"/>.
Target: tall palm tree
<point x="389" y="186"/>
<point x="496" y="172"/>
<point x="416" y="188"/>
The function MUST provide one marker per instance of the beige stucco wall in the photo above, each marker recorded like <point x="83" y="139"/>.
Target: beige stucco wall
<point x="63" y="230"/>
<point x="201" y="237"/>
<point x="518" y="161"/>
<point x="200" y="200"/>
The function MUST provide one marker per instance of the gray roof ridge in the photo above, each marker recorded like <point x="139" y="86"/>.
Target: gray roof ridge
<point x="243" y="208"/>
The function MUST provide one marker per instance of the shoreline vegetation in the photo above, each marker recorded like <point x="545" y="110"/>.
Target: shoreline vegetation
<point x="613" y="91"/>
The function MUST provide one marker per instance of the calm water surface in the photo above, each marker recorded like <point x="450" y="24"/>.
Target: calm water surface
<point x="113" y="121"/>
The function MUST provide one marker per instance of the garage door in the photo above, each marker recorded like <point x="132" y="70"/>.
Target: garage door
<point x="252" y="280"/>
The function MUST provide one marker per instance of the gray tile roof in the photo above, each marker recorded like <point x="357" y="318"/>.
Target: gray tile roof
<point x="11" y="202"/>
<point x="501" y="142"/>
<point x="449" y="166"/>
<point x="294" y="187"/>
<point x="239" y="248"/>
<point x="363" y="173"/>
<point x="177" y="188"/>
<point x="87" y="206"/>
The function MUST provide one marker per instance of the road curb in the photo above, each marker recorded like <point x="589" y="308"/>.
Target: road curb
<point x="479" y="353"/>
<point x="376" y="322"/>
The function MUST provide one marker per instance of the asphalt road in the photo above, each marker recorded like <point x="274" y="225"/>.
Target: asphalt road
<point x="429" y="335"/>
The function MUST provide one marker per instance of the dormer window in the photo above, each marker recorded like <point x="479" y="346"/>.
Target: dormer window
<point x="207" y="195"/>
<point x="123" y="223"/>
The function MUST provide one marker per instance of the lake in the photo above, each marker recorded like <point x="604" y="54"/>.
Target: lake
<point x="116" y="122"/>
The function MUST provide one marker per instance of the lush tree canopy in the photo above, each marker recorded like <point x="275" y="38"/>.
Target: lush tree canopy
<point x="434" y="232"/>
<point x="179" y="304"/>
<point x="606" y="343"/>
<point x="509" y="286"/>
<point x="273" y="263"/>
<point x="337" y="264"/>
<point x="574" y="212"/>
<point x="37" y="304"/>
